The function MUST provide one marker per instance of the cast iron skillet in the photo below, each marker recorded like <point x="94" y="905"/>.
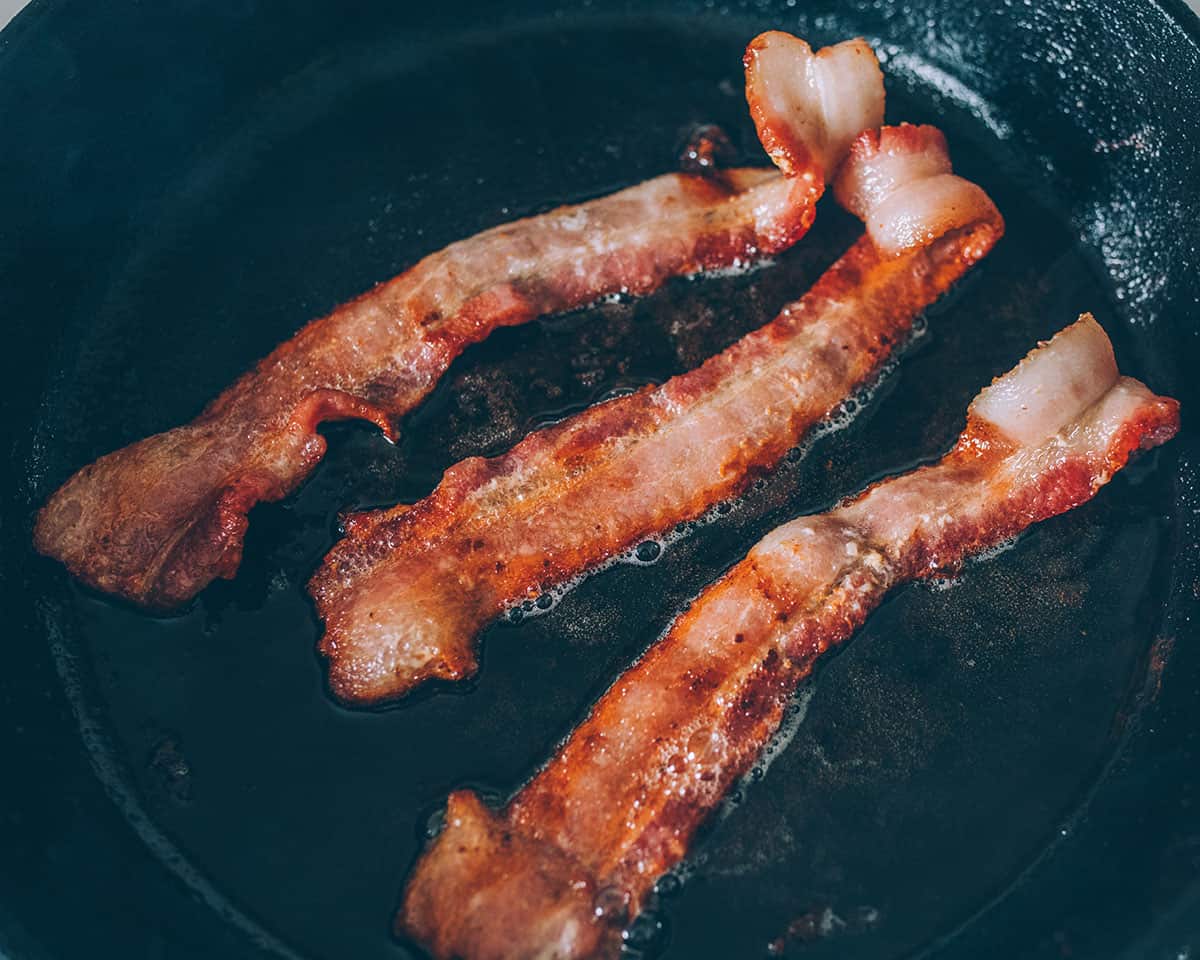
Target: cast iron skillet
<point x="1001" y="766"/>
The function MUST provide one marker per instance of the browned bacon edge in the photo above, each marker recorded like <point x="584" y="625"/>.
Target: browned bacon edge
<point x="156" y="521"/>
<point x="406" y="592"/>
<point x="562" y="868"/>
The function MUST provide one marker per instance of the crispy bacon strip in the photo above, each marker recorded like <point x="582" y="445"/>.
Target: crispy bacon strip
<point x="405" y="593"/>
<point x="559" y="871"/>
<point x="157" y="521"/>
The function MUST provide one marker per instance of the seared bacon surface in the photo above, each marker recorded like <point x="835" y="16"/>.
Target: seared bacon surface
<point x="405" y="593"/>
<point x="559" y="871"/>
<point x="157" y="521"/>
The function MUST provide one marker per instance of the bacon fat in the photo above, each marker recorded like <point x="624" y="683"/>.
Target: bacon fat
<point x="404" y="594"/>
<point x="156" y="521"/>
<point x="562" y="868"/>
<point x="807" y="107"/>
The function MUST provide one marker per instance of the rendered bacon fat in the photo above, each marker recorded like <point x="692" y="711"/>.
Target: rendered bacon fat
<point x="560" y="870"/>
<point x="157" y="521"/>
<point x="405" y="593"/>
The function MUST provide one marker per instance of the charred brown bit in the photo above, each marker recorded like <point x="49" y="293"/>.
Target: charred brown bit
<point x="157" y="521"/>
<point x="403" y="598"/>
<point x="707" y="150"/>
<point x="619" y="803"/>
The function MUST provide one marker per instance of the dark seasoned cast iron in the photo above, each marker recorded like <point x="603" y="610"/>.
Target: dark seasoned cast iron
<point x="1001" y="766"/>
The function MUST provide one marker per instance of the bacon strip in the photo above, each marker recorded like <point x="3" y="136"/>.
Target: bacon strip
<point x="560" y="870"/>
<point x="404" y="595"/>
<point x="157" y="521"/>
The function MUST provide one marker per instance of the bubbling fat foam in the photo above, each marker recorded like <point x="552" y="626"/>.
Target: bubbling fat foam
<point x="994" y="551"/>
<point x="793" y="719"/>
<point x="738" y="267"/>
<point x="943" y="583"/>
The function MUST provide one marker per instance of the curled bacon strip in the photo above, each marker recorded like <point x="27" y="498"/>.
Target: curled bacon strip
<point x="572" y="857"/>
<point x="157" y="521"/>
<point x="809" y="109"/>
<point x="405" y="593"/>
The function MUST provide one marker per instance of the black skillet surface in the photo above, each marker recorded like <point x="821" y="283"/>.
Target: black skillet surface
<point x="1000" y="766"/>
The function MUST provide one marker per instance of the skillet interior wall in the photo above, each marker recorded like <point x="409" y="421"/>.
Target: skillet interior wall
<point x="1092" y="108"/>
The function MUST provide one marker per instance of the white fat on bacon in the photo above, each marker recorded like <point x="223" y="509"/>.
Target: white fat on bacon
<point x="898" y="182"/>
<point x="808" y="107"/>
<point x="1052" y="385"/>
